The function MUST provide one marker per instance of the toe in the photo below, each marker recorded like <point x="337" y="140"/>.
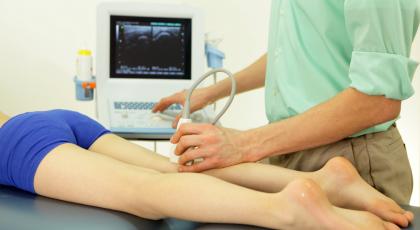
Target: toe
<point x="391" y="226"/>
<point x="401" y="220"/>
<point x="391" y="212"/>
<point x="409" y="215"/>
<point x="396" y="218"/>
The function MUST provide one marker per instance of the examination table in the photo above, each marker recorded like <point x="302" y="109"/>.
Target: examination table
<point x="20" y="210"/>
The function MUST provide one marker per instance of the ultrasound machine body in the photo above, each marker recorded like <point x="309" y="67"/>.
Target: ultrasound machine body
<point x="146" y="52"/>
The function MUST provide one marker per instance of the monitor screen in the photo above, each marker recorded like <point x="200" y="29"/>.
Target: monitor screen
<point x="150" y="48"/>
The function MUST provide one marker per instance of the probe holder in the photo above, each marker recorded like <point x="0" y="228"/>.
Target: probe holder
<point x="214" y="57"/>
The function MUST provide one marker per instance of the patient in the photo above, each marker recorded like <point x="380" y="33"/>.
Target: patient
<point x="66" y="155"/>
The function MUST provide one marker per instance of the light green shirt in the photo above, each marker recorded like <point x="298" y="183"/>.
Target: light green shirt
<point x="318" y="48"/>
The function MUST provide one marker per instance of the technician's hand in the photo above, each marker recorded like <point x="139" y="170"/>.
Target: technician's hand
<point x="219" y="147"/>
<point x="200" y="98"/>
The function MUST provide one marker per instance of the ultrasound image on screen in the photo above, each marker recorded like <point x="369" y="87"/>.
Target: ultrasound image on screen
<point x="150" y="48"/>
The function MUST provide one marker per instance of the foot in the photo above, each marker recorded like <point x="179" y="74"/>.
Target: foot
<point x="309" y="208"/>
<point x="346" y="189"/>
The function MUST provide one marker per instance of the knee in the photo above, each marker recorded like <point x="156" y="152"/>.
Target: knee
<point x="140" y="200"/>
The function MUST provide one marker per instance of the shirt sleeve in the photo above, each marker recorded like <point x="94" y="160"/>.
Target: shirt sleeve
<point x="382" y="32"/>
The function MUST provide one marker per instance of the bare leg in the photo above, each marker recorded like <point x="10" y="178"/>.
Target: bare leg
<point x="77" y="175"/>
<point x="118" y="148"/>
<point x="338" y="178"/>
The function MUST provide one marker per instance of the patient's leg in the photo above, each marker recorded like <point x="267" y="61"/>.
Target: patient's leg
<point x="338" y="178"/>
<point x="73" y="174"/>
<point x="125" y="151"/>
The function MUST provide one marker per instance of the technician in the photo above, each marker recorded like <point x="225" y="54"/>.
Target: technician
<point x="335" y="74"/>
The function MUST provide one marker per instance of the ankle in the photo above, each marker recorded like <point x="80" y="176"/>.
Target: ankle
<point x="308" y="195"/>
<point x="336" y="175"/>
<point x="279" y="215"/>
<point x="323" y="178"/>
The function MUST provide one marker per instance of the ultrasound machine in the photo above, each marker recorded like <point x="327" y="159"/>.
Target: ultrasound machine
<point x="146" y="52"/>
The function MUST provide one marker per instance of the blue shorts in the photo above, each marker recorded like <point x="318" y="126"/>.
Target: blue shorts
<point x="26" y="139"/>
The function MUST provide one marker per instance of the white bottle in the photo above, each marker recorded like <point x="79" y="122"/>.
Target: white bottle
<point x="84" y="65"/>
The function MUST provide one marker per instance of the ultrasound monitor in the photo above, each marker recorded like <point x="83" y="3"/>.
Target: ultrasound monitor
<point x="145" y="52"/>
<point x="150" y="47"/>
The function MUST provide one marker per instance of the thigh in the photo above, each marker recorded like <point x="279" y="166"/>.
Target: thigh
<point x="93" y="136"/>
<point x="314" y="159"/>
<point x="389" y="165"/>
<point x="74" y="174"/>
<point x="118" y="148"/>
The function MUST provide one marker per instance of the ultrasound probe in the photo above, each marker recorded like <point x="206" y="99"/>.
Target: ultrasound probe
<point x="186" y="110"/>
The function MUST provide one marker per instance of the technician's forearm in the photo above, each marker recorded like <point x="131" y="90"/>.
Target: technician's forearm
<point x="344" y="115"/>
<point x="250" y="78"/>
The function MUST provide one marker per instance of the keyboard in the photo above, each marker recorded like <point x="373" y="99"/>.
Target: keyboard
<point x="140" y="106"/>
<point x="135" y="117"/>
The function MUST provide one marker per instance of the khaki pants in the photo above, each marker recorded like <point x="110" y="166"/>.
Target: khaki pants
<point x="380" y="158"/>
